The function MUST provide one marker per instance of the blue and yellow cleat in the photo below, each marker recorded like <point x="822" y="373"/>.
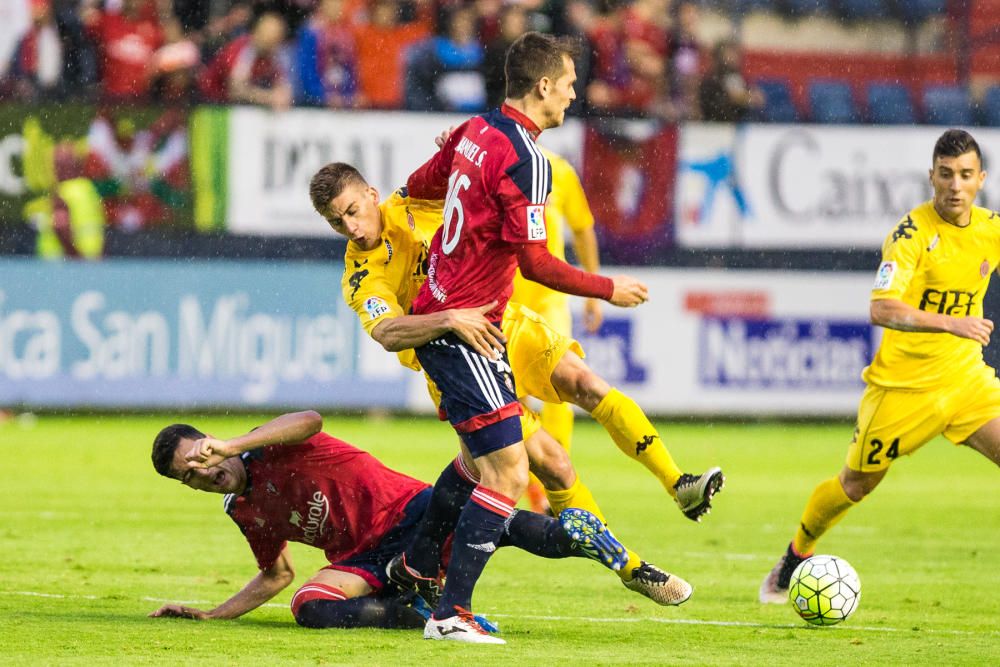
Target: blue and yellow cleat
<point x="593" y="537"/>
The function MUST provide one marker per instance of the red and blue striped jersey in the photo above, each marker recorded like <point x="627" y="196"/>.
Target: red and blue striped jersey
<point x="494" y="181"/>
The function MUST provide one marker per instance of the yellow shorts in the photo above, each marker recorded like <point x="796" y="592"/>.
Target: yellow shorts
<point x="555" y="312"/>
<point x="893" y="423"/>
<point x="534" y="349"/>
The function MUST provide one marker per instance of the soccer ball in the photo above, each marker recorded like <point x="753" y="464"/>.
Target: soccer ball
<point x="824" y="590"/>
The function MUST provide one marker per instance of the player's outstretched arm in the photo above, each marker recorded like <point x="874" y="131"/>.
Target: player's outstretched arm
<point x="259" y="590"/>
<point x="290" y="428"/>
<point x="895" y="314"/>
<point x="470" y="324"/>
<point x="539" y="265"/>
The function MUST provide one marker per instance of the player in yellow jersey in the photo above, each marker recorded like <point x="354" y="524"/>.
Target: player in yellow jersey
<point x="385" y="264"/>
<point x="566" y="207"/>
<point x="928" y="376"/>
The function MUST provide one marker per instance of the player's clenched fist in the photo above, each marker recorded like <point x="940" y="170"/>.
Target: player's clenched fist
<point x="975" y="328"/>
<point x="629" y="292"/>
<point x="208" y="452"/>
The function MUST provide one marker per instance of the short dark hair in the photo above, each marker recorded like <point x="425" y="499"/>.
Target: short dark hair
<point x="954" y="143"/>
<point x="165" y="444"/>
<point x="533" y="56"/>
<point x="330" y="181"/>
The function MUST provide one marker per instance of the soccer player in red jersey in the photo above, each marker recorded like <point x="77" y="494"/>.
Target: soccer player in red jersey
<point x="288" y="481"/>
<point x="494" y="181"/>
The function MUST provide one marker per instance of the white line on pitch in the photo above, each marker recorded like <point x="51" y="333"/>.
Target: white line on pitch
<point x="734" y="624"/>
<point x="577" y="619"/>
<point x="51" y="595"/>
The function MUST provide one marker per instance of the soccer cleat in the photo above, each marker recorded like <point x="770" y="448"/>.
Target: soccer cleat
<point x="419" y="605"/>
<point x="462" y="627"/>
<point x="694" y="492"/>
<point x="774" y="588"/>
<point x="659" y="586"/>
<point x="593" y="538"/>
<point x="408" y="579"/>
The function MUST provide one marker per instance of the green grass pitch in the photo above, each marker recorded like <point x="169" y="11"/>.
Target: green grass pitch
<point x="92" y="541"/>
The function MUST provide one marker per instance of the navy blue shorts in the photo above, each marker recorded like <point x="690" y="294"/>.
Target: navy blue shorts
<point x="370" y="565"/>
<point x="477" y="395"/>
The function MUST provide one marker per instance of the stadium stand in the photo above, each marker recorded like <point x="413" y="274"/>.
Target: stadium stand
<point x="913" y="12"/>
<point x="889" y="104"/>
<point x="947" y="105"/>
<point x="778" y="105"/>
<point x="862" y="10"/>
<point x="830" y="101"/>
<point x="990" y="109"/>
<point x="803" y="7"/>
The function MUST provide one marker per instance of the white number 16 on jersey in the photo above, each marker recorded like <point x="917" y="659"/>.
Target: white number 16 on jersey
<point x="453" y="212"/>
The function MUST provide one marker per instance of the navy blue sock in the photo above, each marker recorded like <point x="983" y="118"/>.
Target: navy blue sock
<point x="479" y="530"/>
<point x="451" y="493"/>
<point x="539" y="535"/>
<point x="363" y="612"/>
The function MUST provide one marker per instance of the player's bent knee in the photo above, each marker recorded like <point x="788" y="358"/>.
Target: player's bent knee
<point x="592" y="388"/>
<point x="515" y="482"/>
<point x="855" y="492"/>
<point x="512" y="482"/>
<point x="555" y="474"/>
<point x="576" y="383"/>
<point x="857" y="485"/>
<point x="311" y="605"/>
<point x="550" y="462"/>
<point x="313" y="614"/>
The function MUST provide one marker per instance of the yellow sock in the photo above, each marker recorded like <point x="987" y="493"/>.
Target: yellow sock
<point x="557" y="420"/>
<point x="633" y="562"/>
<point x="827" y="505"/>
<point x="628" y="426"/>
<point x="579" y="496"/>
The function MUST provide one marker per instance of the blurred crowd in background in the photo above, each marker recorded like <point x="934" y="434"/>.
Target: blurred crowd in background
<point x="644" y="57"/>
<point x="97" y="92"/>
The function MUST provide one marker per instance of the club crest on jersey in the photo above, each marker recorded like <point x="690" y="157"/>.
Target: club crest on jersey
<point x="904" y="230"/>
<point x="376" y="307"/>
<point x="536" y="223"/>
<point x="409" y="220"/>
<point x="984" y="268"/>
<point x="359" y="274"/>
<point x="886" y="272"/>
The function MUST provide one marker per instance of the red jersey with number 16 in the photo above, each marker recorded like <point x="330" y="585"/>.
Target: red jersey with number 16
<point x="494" y="181"/>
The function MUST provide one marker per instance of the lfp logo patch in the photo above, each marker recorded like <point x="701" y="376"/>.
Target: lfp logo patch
<point x="376" y="307"/>
<point x="536" y="223"/>
<point x="886" y="272"/>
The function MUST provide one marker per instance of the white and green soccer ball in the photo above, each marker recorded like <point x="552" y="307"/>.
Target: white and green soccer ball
<point x="824" y="590"/>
